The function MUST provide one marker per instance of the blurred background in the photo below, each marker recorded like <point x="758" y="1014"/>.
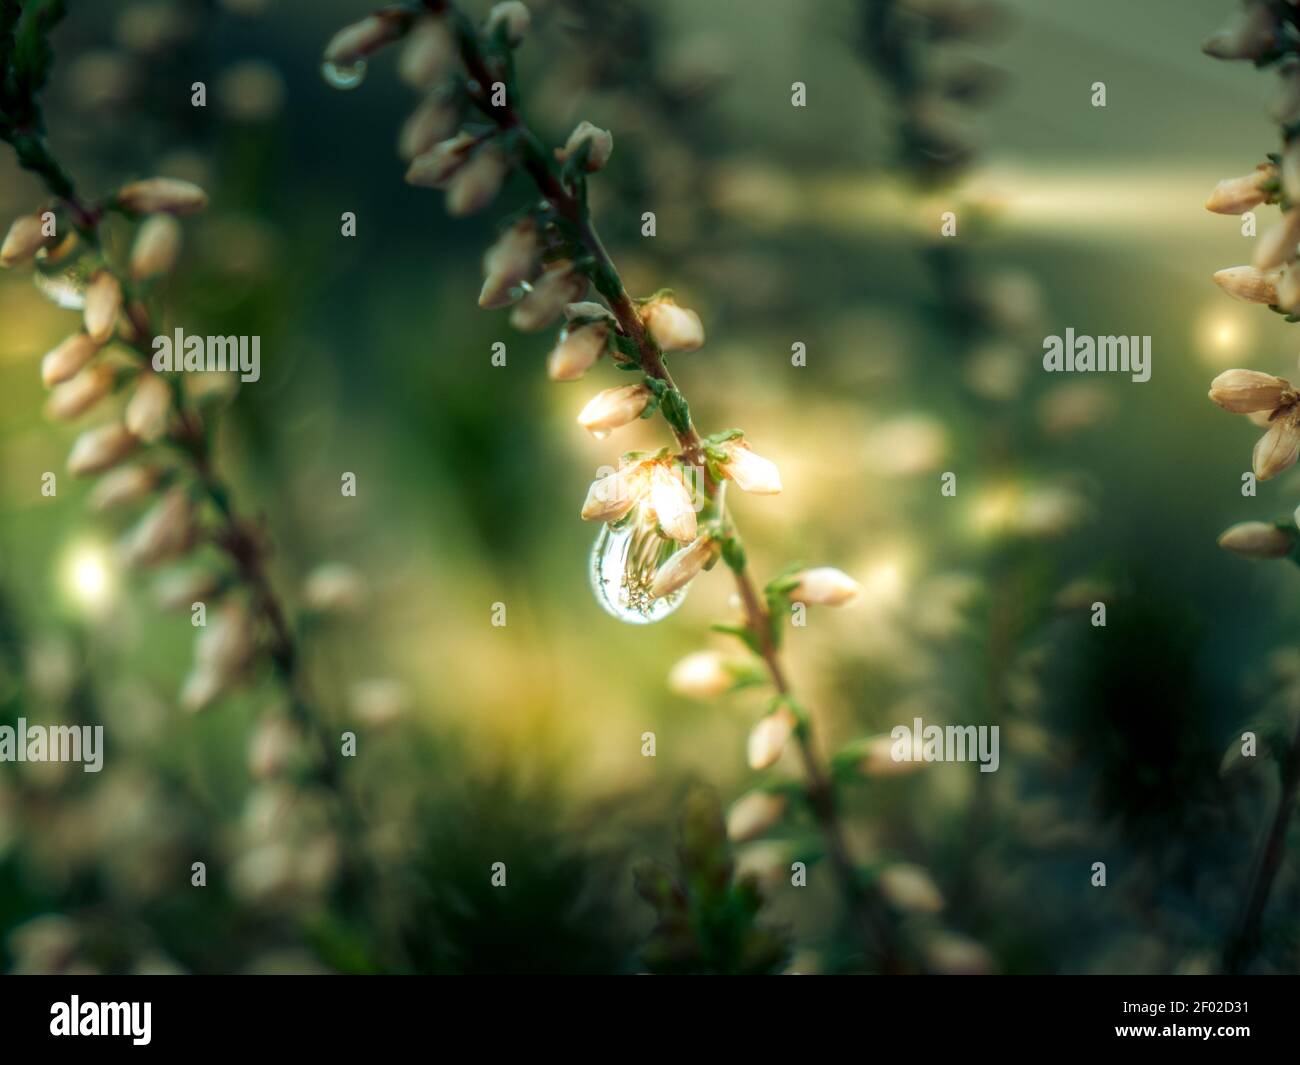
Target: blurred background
<point x="523" y="744"/>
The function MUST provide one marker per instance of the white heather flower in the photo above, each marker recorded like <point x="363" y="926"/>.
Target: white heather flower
<point x="1276" y="451"/>
<point x="672" y="327"/>
<point x="156" y="247"/>
<point x="513" y="16"/>
<point x="610" y="497"/>
<point x="1247" y="284"/>
<point x="825" y="586"/>
<point x="97" y="450"/>
<point x="701" y="675"/>
<point x="753" y="814"/>
<point x="432" y="120"/>
<point x="601" y="143"/>
<point x="434" y="168"/>
<point x="222" y="652"/>
<point x="1257" y="540"/>
<point x="476" y="184"/>
<point x="166" y="531"/>
<point x="1243" y="391"/>
<point x="162" y="195"/>
<point x="577" y="351"/>
<point x="103" y="304"/>
<point x="751" y="472"/>
<point x="909" y="888"/>
<point x="24" y="239"/>
<point x="671" y="504"/>
<point x="334" y="588"/>
<point x="122" y="486"/>
<point x="877" y="757"/>
<point x="181" y="589"/>
<point x="73" y="398"/>
<point x="149" y="408"/>
<point x="428" y="55"/>
<point x="614" y="408"/>
<point x="590" y="309"/>
<point x="950" y="954"/>
<point x="768" y="738"/>
<point x="559" y="285"/>
<point x="1251" y="35"/>
<point x="1238" y="195"/>
<point x="379" y="701"/>
<point x="1278" y="246"/>
<point x="1288" y="289"/>
<point x="682" y="567"/>
<point x="274" y="746"/>
<point x="64" y="361"/>
<point x="507" y="264"/>
<point x="359" y="39"/>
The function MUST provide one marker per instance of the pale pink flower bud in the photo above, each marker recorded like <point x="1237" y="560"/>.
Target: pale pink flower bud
<point x="511" y="14"/>
<point x="673" y="328"/>
<point x="97" y="450"/>
<point x="432" y="120"/>
<point x="876" y="756"/>
<point x="601" y="143"/>
<point x="428" y="55"/>
<point x="559" y="285"/>
<point x="379" y="701"/>
<point x="1257" y="540"/>
<point x="274" y="746"/>
<point x="162" y="195"/>
<point x="753" y="814"/>
<point x="122" y="486"/>
<point x="1238" y="195"/>
<point x="577" y="351"/>
<point x="223" y="650"/>
<point x="149" y="408"/>
<point x="1243" y="391"/>
<point x="181" y="589"/>
<point x="614" y="408"/>
<point x="683" y="566"/>
<point x="477" y="183"/>
<point x="166" y="531"/>
<point x="335" y="588"/>
<point x="63" y="362"/>
<point x="768" y="738"/>
<point x="751" y="472"/>
<point x="1278" y="245"/>
<point x="25" y="238"/>
<point x="671" y="503"/>
<point x="1251" y="35"/>
<point x="1288" y="289"/>
<point x="358" y="40"/>
<point x="156" y="247"/>
<point x="825" y="586"/>
<point x="508" y="263"/>
<point x="1247" y="284"/>
<point x="1276" y="451"/>
<point x="103" y="304"/>
<point x="701" y="675"/>
<point x="909" y="888"/>
<point x="589" y="309"/>
<point x="434" y="168"/>
<point x="73" y="398"/>
<point x="611" y="497"/>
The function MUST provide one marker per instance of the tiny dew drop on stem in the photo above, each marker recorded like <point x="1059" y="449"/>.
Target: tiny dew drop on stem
<point x="343" y="76"/>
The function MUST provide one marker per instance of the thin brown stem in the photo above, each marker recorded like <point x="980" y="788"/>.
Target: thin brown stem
<point x="1245" y="938"/>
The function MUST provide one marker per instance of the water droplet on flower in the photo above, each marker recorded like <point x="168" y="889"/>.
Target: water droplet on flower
<point x="65" y="288"/>
<point x="623" y="565"/>
<point x="344" y="77"/>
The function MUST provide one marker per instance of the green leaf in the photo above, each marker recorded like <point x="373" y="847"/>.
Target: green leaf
<point x="742" y="632"/>
<point x="677" y="411"/>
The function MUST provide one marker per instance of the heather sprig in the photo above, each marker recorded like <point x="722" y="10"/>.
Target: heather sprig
<point x="667" y="509"/>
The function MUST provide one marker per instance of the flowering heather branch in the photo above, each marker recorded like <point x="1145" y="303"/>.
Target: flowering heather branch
<point x="542" y="265"/>
<point x="1268" y="35"/>
<point x="65" y="242"/>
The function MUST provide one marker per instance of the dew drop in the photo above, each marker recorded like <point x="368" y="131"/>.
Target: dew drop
<point x="623" y="564"/>
<point x="64" y="288"/>
<point x="344" y="77"/>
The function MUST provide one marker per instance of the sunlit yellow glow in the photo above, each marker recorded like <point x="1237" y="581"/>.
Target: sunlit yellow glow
<point x="996" y="509"/>
<point x="1223" y="335"/>
<point x="88" y="577"/>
